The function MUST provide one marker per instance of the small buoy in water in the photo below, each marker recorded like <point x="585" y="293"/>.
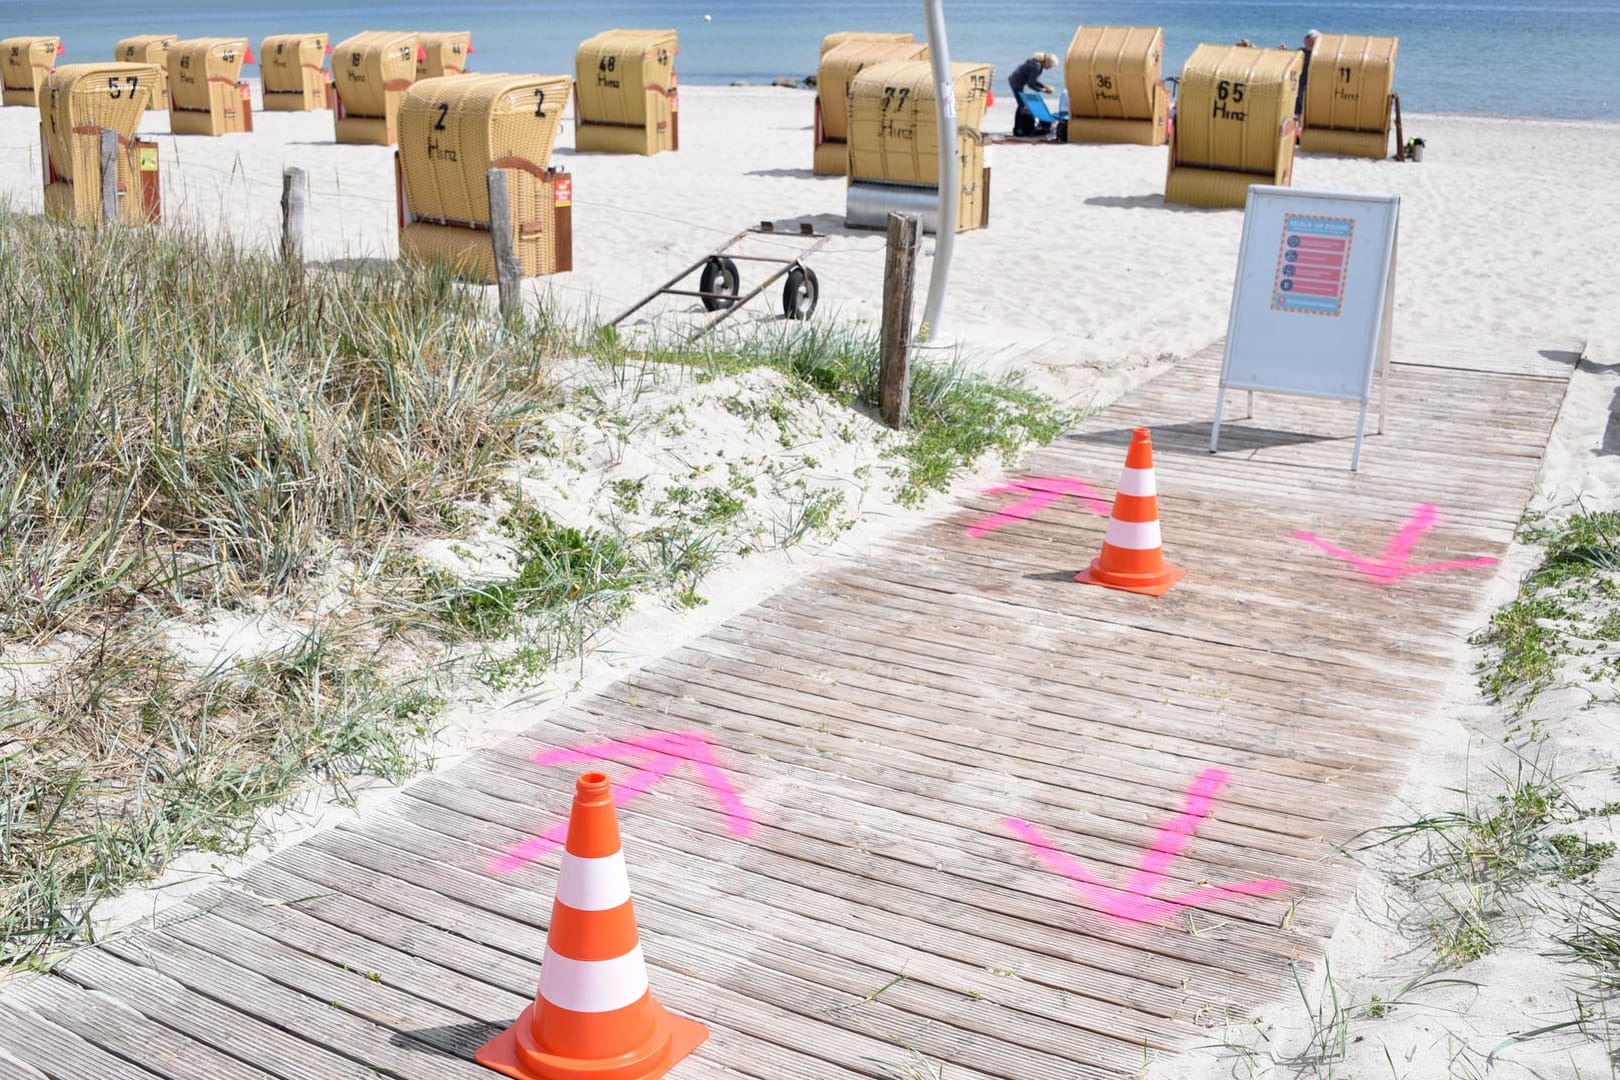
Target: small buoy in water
<point x="708" y="18"/>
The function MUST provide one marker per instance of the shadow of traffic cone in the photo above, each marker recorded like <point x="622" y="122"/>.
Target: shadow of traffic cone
<point x="1132" y="556"/>
<point x="594" y="1017"/>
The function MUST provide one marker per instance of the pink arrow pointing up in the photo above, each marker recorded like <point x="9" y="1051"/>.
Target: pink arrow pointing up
<point x="1392" y="566"/>
<point x="1135" y="903"/>
<point x="658" y="755"/>
<point x="1044" y="490"/>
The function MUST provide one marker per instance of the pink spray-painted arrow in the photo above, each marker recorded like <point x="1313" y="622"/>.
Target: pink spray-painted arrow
<point x="1135" y="902"/>
<point x="1044" y="490"/>
<point x="1392" y="566"/>
<point x="657" y="755"/>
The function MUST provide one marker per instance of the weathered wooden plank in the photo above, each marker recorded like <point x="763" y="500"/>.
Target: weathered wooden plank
<point x="166" y="1000"/>
<point x="56" y="1051"/>
<point x="119" y="1028"/>
<point x="319" y="892"/>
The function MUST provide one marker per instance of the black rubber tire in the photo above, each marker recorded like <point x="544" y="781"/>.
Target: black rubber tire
<point x="719" y="276"/>
<point x="800" y="294"/>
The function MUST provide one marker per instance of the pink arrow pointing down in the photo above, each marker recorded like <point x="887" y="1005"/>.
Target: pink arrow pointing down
<point x="1392" y="566"/>
<point x="658" y="755"/>
<point x="1044" y="490"/>
<point x="1135" y="903"/>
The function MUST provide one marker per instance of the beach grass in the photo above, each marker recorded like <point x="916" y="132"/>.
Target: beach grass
<point x="189" y="428"/>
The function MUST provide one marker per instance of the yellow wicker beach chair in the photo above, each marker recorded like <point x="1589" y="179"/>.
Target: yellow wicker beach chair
<point x="149" y="49"/>
<point x="451" y="133"/>
<point x="443" y="53"/>
<point x="24" y="64"/>
<point x="1349" y="96"/>
<point x="839" y="65"/>
<point x="894" y="133"/>
<point x="370" y="74"/>
<point x="79" y="101"/>
<point x="624" y="93"/>
<point x="1115" y="93"/>
<point x="293" y="70"/>
<point x="206" y="93"/>
<point x="1234" y="124"/>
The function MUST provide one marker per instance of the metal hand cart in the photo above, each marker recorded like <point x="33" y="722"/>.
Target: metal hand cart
<point x="720" y="283"/>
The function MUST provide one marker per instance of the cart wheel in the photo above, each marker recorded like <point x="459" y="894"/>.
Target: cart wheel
<point x="719" y="276"/>
<point x="800" y="294"/>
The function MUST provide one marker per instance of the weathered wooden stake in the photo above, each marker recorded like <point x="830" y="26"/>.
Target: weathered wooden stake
<point x="508" y="271"/>
<point x="109" y="176"/>
<point x="294" y="202"/>
<point x="899" y="277"/>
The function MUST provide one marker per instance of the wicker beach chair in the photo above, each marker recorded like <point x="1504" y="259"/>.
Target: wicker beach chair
<point x="370" y="74"/>
<point x="1115" y="92"/>
<point x="24" y="64"/>
<point x="839" y="65"/>
<point x="206" y="93"/>
<point x="1234" y="124"/>
<point x="149" y="49"/>
<point x="625" y="95"/>
<point x="894" y="133"/>
<point x="80" y="100"/>
<point x="442" y="53"/>
<point x="1349" y="96"/>
<point x="451" y="133"/>
<point x="293" y="70"/>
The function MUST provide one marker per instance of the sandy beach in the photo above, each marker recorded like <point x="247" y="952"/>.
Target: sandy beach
<point x="1088" y="284"/>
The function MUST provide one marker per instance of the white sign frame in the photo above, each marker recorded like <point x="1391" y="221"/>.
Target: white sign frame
<point x="1269" y="325"/>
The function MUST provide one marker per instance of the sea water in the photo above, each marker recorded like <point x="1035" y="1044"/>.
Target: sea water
<point x="1511" y="57"/>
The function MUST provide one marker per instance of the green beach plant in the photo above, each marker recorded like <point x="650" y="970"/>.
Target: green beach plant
<point x="187" y="427"/>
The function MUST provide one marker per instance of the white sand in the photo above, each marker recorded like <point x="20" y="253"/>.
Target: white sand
<point x="1088" y="282"/>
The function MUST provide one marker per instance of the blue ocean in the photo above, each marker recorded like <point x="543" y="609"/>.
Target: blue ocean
<point x="1506" y="57"/>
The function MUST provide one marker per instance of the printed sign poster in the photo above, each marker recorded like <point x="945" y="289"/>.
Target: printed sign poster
<point x="1312" y="265"/>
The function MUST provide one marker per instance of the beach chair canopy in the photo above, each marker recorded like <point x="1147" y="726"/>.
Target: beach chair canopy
<point x="1112" y="72"/>
<point x="366" y="67"/>
<point x="453" y="131"/>
<point x="24" y="63"/>
<point x="285" y="61"/>
<point x="196" y="64"/>
<point x="1351" y="79"/>
<point x="842" y="63"/>
<point x="442" y="53"/>
<point x="615" y="71"/>
<point x="893" y="131"/>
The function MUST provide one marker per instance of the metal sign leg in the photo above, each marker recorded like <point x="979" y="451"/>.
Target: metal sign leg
<point x="1215" y="429"/>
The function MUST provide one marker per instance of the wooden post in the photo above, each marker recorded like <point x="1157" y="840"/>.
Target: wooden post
<point x="899" y="278"/>
<point x="294" y="201"/>
<point x="109" y="176"/>
<point x="508" y="271"/>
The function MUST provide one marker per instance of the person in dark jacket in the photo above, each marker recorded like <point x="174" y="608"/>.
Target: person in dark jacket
<point x="1027" y="76"/>
<point x="1311" y="37"/>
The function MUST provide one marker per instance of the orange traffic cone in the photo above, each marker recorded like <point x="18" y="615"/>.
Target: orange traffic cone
<point x="594" y="1017"/>
<point x="1132" y="557"/>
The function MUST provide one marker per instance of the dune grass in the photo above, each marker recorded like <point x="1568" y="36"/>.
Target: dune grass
<point x="186" y="427"/>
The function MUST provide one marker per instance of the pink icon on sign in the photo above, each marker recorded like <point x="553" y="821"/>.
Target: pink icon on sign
<point x="1135" y="901"/>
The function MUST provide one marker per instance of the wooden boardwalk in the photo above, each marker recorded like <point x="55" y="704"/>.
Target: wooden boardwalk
<point x="858" y="885"/>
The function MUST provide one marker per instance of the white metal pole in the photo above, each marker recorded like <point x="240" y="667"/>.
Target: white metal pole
<point x="930" y="332"/>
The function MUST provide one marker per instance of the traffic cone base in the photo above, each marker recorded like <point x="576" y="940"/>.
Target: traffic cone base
<point x="1151" y="584"/>
<point x="514" y="1053"/>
